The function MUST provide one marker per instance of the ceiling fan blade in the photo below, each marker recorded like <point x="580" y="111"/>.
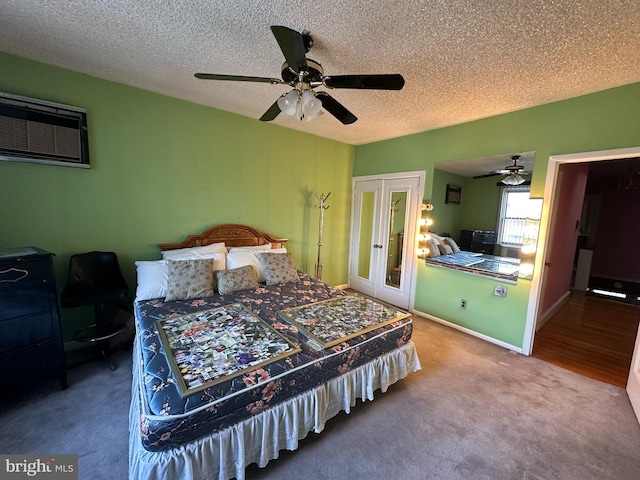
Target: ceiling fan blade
<point x="237" y="78"/>
<point x="336" y="109"/>
<point x="271" y="113"/>
<point x="490" y="174"/>
<point x="391" y="81"/>
<point x="292" y="45"/>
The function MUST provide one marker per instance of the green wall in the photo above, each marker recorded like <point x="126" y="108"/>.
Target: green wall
<point x="163" y="168"/>
<point x="446" y="216"/>
<point x="599" y="121"/>
<point x="481" y="199"/>
<point x="478" y="207"/>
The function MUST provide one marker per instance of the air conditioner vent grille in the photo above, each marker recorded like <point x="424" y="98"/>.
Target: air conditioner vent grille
<point x="42" y="132"/>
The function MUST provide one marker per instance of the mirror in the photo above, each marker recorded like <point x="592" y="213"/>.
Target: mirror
<point x="395" y="240"/>
<point x="483" y="219"/>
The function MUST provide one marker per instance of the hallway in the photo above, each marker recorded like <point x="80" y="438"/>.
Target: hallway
<point x="591" y="336"/>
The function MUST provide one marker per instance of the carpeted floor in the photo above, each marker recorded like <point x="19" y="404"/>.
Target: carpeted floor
<point x="475" y="411"/>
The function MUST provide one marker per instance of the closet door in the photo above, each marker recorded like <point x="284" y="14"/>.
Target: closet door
<point x="383" y="238"/>
<point x="365" y="252"/>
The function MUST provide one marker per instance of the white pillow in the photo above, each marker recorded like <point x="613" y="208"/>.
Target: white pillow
<point x="219" y="260"/>
<point x="436" y="237"/>
<point x="194" y="252"/>
<point x="251" y="248"/>
<point x="152" y="279"/>
<point x="153" y="276"/>
<point x="241" y="258"/>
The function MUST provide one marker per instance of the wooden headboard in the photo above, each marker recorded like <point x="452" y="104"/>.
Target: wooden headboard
<point x="233" y="235"/>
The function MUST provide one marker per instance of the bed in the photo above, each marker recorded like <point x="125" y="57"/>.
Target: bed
<point x="284" y="353"/>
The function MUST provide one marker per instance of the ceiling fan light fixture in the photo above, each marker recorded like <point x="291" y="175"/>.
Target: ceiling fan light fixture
<point x="311" y="105"/>
<point x="513" y="179"/>
<point x="288" y="103"/>
<point x="300" y="106"/>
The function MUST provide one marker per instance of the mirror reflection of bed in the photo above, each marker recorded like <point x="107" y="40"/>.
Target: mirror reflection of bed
<point x="489" y="219"/>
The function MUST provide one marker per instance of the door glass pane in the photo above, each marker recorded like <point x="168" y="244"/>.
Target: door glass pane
<point x="395" y="240"/>
<point x="366" y="234"/>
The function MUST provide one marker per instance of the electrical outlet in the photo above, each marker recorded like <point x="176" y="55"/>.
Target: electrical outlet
<point x="500" y="291"/>
<point x="463" y="304"/>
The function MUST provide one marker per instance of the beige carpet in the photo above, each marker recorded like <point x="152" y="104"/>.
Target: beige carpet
<point x="475" y="411"/>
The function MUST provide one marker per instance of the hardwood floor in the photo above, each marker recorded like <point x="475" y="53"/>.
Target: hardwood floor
<point x="591" y="336"/>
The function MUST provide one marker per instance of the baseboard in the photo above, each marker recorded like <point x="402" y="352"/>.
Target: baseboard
<point x="342" y="287"/>
<point x="473" y="333"/>
<point x="552" y="310"/>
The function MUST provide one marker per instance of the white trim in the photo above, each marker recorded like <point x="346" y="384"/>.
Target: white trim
<point x="473" y="333"/>
<point x="547" y="207"/>
<point x="410" y="240"/>
<point x="552" y="310"/>
<point x="633" y="382"/>
<point x="391" y="176"/>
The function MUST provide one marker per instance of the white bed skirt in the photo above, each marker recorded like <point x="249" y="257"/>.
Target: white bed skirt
<point x="258" y="439"/>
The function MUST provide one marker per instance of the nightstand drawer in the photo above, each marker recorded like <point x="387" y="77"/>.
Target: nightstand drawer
<point x="22" y="331"/>
<point x="24" y="289"/>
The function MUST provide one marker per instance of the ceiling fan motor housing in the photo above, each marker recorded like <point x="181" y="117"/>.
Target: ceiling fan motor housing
<point x="314" y="71"/>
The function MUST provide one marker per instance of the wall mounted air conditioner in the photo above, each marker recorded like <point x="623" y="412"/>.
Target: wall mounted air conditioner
<point x="38" y="131"/>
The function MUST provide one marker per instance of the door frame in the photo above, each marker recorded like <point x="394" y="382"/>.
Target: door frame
<point x="548" y="204"/>
<point x="411" y="240"/>
<point x="633" y="383"/>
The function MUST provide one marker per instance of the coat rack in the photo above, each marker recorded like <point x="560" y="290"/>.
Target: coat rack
<point x="322" y="207"/>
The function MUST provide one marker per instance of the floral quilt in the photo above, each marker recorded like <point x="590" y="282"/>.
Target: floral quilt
<point x="169" y="420"/>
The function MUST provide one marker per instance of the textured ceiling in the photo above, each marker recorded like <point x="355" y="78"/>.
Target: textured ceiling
<point x="483" y="166"/>
<point x="462" y="60"/>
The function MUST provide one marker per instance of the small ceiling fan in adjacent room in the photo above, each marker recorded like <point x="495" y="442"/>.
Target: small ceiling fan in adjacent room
<point x="304" y="75"/>
<point x="512" y="173"/>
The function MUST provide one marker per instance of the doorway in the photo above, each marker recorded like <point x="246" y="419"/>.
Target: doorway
<point x="633" y="383"/>
<point x="383" y="236"/>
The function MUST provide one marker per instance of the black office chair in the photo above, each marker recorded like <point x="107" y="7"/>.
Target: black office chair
<point x="95" y="279"/>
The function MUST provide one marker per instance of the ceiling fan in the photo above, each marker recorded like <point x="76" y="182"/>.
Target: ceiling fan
<point x="304" y="75"/>
<point x="513" y="173"/>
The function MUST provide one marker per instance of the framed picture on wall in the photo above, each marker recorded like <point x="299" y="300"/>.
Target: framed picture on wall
<point x="454" y="193"/>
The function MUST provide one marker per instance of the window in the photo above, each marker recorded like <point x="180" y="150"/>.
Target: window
<point x="513" y="210"/>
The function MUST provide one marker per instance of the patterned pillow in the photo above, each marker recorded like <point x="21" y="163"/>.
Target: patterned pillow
<point x="278" y="268"/>
<point x="432" y="245"/>
<point x="452" y="243"/>
<point x="445" y="249"/>
<point x="241" y="278"/>
<point x="189" y="279"/>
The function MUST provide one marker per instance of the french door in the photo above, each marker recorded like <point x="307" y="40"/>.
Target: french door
<point x="382" y="260"/>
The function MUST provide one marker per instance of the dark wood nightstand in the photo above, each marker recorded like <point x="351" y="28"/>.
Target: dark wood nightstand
<point x="31" y="345"/>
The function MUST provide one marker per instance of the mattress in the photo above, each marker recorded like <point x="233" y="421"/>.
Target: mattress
<point x="169" y="418"/>
<point x="503" y="268"/>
